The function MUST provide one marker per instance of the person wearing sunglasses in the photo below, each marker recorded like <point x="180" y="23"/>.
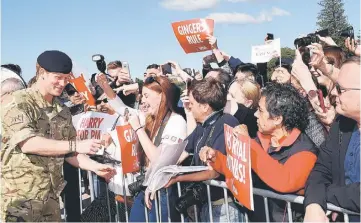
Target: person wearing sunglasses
<point x="336" y="176"/>
<point x="158" y="123"/>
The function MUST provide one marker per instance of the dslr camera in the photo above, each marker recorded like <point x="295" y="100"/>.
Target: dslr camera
<point x="100" y="62"/>
<point x="348" y="32"/>
<point x="193" y="194"/>
<point x="310" y="38"/>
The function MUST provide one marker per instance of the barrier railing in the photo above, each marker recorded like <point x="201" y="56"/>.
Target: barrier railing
<point x="265" y="194"/>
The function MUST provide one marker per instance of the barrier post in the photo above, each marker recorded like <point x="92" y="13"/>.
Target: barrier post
<point x="265" y="200"/>
<point x="226" y="202"/>
<point x="156" y="207"/>
<point x="168" y="206"/>
<point x="125" y="200"/>
<point x="91" y="185"/>
<point x="108" y="203"/>
<point x="289" y="212"/>
<point x="209" y="203"/>
<point x="80" y="193"/>
<point x="180" y="194"/>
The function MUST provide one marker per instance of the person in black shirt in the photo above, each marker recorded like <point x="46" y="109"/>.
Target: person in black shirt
<point x="242" y="101"/>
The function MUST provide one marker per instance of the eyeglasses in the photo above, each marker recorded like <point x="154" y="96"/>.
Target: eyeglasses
<point x="341" y="90"/>
<point x="150" y="80"/>
<point x="98" y="102"/>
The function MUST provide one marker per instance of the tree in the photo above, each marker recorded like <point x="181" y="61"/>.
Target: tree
<point x="286" y="52"/>
<point x="332" y="17"/>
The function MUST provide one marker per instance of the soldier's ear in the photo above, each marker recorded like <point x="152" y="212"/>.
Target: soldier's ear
<point x="42" y="73"/>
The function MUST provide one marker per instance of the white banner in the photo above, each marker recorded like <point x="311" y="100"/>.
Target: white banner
<point x="91" y="125"/>
<point x="264" y="53"/>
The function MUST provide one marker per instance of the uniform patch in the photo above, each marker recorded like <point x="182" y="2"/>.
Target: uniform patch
<point x="17" y="119"/>
<point x="174" y="139"/>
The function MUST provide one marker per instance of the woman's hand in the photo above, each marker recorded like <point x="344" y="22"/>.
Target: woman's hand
<point x="317" y="59"/>
<point x="327" y="40"/>
<point x="102" y="81"/>
<point x="212" y="41"/>
<point x="241" y="130"/>
<point x="134" y="122"/>
<point x="352" y="46"/>
<point x="128" y="89"/>
<point x="299" y="69"/>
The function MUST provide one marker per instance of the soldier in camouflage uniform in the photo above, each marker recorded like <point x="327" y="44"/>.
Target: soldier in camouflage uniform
<point x="37" y="135"/>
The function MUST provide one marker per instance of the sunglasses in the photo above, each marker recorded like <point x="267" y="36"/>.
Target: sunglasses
<point x="341" y="90"/>
<point x="150" y="80"/>
<point x="71" y="92"/>
<point x="98" y="102"/>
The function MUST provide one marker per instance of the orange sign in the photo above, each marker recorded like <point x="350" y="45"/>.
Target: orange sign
<point x="239" y="164"/>
<point x="192" y="34"/>
<point x="80" y="86"/>
<point x="128" y="144"/>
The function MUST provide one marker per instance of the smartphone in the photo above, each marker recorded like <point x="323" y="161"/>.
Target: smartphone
<point x="125" y="66"/>
<point x="270" y="36"/>
<point x="320" y="99"/>
<point x="167" y="69"/>
<point x="193" y="73"/>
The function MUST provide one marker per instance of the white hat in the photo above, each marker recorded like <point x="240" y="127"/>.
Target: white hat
<point x="6" y="74"/>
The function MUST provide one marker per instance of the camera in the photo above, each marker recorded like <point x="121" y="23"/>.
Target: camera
<point x="310" y="38"/>
<point x="100" y="62"/>
<point x="193" y="194"/>
<point x="137" y="186"/>
<point x="270" y="36"/>
<point x="348" y="32"/>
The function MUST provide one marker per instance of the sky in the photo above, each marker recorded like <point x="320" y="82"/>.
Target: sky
<point x="140" y="32"/>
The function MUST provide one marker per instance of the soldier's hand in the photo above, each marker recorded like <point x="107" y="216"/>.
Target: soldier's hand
<point x="89" y="146"/>
<point x="105" y="171"/>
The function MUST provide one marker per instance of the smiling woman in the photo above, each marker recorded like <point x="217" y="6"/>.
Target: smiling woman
<point x="159" y="117"/>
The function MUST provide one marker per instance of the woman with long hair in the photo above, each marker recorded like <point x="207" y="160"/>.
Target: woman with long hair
<point x="157" y="123"/>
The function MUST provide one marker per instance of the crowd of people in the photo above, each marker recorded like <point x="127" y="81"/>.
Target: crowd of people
<point x="303" y="119"/>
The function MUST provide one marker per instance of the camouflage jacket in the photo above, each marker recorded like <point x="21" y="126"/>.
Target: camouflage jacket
<point x="26" y="114"/>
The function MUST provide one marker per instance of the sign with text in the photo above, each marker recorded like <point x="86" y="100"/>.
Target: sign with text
<point x="192" y="34"/>
<point x="129" y="150"/>
<point x="264" y="53"/>
<point x="80" y="86"/>
<point x="91" y="125"/>
<point x="239" y="164"/>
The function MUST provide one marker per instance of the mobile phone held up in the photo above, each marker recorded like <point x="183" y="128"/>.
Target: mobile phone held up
<point x="270" y="36"/>
<point x="167" y="69"/>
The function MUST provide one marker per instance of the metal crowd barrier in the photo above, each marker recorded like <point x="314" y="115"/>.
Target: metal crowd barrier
<point x="288" y="198"/>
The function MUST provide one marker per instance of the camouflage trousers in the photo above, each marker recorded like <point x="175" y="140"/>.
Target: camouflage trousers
<point x="32" y="210"/>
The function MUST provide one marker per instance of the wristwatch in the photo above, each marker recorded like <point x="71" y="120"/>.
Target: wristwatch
<point x="312" y="94"/>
